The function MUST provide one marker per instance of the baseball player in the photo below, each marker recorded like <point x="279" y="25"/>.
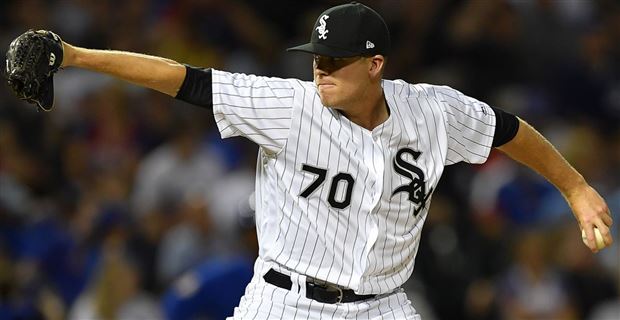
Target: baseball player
<point x="347" y="164"/>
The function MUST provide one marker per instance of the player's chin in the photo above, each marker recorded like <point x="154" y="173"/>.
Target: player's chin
<point x="327" y="99"/>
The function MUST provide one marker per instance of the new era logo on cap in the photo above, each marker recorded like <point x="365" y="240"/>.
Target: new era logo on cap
<point x="348" y="30"/>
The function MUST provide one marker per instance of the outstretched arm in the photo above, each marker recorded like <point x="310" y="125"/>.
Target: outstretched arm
<point x="152" y="72"/>
<point x="532" y="149"/>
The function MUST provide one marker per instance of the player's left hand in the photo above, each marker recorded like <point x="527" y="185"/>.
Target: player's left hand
<point x="591" y="211"/>
<point x="31" y="61"/>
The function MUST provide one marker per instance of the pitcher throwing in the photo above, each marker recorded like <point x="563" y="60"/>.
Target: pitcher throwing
<point x="347" y="164"/>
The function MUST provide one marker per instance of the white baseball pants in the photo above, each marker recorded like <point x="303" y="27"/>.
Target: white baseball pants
<point x="263" y="301"/>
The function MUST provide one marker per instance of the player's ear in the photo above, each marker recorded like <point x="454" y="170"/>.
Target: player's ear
<point x="376" y="66"/>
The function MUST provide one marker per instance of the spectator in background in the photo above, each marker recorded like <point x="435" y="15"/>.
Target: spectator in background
<point x="607" y="310"/>
<point x="164" y="180"/>
<point x="174" y="169"/>
<point x="213" y="288"/>
<point x="190" y="237"/>
<point x="532" y="288"/>
<point x="115" y="292"/>
<point x="587" y="281"/>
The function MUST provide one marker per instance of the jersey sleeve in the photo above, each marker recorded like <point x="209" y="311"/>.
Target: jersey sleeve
<point x="470" y="126"/>
<point x="258" y="108"/>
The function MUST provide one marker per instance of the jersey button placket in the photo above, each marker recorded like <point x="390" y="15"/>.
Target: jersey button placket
<point x="380" y="162"/>
<point x="375" y="164"/>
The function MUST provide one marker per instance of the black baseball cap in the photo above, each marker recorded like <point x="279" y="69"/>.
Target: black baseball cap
<point x="348" y="30"/>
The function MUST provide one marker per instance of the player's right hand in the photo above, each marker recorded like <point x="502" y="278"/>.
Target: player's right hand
<point x="591" y="211"/>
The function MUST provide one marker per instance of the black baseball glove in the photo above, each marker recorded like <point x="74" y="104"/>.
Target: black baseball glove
<point x="31" y="62"/>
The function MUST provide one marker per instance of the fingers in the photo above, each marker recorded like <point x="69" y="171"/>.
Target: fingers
<point x="593" y="213"/>
<point x="605" y="232"/>
<point x="604" y="224"/>
<point x="607" y="219"/>
<point x="598" y="242"/>
<point x="589" y="239"/>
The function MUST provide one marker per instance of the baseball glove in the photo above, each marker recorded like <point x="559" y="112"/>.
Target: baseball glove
<point x="31" y="61"/>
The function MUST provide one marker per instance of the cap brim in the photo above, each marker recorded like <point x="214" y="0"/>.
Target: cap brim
<point x="323" y="50"/>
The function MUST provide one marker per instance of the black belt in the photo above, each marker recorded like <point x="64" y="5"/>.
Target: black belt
<point x="314" y="291"/>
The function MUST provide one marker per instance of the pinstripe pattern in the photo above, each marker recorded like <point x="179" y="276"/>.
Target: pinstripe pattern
<point x="369" y="244"/>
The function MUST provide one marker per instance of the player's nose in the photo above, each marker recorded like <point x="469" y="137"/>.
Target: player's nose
<point x="322" y="65"/>
<point x="320" y="72"/>
<point x="321" y="69"/>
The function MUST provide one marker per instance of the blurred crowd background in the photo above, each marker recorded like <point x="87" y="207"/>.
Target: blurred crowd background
<point x="125" y="204"/>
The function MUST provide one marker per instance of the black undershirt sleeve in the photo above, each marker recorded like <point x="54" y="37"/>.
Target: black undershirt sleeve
<point x="506" y="127"/>
<point x="197" y="87"/>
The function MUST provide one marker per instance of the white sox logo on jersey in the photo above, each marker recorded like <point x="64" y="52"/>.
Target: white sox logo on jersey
<point x="322" y="29"/>
<point x="417" y="187"/>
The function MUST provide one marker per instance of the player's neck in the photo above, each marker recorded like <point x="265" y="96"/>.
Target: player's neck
<point x="370" y="111"/>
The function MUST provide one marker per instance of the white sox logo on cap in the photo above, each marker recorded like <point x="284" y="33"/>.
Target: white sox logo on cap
<point x="356" y="30"/>
<point x="322" y="29"/>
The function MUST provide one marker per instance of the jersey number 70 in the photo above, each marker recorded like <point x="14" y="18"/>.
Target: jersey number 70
<point x="341" y="177"/>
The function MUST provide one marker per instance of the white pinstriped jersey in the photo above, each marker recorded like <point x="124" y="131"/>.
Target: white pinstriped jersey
<point x="335" y="201"/>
